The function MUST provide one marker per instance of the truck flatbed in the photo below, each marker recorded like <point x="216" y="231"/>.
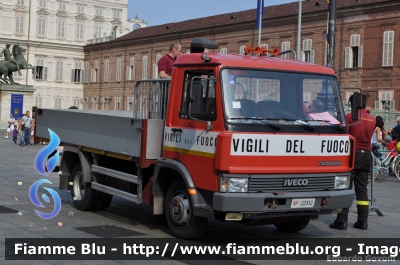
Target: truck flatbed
<point x="106" y="130"/>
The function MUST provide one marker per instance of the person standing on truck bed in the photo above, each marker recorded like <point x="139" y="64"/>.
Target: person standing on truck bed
<point x="362" y="165"/>
<point x="165" y="64"/>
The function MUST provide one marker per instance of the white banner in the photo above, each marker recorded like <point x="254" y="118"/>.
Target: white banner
<point x="193" y="140"/>
<point x="289" y="145"/>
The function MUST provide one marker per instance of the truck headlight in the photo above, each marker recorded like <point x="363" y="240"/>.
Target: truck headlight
<point x="234" y="184"/>
<point x="342" y="182"/>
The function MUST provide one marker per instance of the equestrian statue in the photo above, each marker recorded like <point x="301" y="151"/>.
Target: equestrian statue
<point x="13" y="64"/>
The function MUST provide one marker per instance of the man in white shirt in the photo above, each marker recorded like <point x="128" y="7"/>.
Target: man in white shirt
<point x="10" y="127"/>
<point x="26" y="132"/>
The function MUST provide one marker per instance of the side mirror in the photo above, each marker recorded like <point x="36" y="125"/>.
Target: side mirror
<point x="356" y="105"/>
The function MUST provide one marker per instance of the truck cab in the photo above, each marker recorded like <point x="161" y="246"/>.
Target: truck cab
<point x="252" y="139"/>
<point x="263" y="139"/>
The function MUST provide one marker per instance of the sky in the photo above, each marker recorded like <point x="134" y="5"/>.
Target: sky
<point x="157" y="12"/>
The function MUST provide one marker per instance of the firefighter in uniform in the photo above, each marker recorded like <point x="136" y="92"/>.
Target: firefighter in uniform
<point x="8" y="58"/>
<point x="362" y="132"/>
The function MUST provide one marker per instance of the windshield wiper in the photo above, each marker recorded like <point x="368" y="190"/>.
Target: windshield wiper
<point x="273" y="126"/>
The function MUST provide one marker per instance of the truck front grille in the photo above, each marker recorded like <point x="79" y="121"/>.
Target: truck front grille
<point x="276" y="183"/>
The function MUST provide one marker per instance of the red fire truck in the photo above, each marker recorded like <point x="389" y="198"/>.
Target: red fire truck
<point x="252" y="139"/>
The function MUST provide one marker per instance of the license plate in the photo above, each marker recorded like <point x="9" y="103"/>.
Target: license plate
<point x="302" y="203"/>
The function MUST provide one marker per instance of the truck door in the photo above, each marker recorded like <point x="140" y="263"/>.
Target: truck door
<point x="186" y="138"/>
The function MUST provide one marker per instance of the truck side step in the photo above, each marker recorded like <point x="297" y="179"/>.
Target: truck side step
<point x="115" y="174"/>
<point x="115" y="192"/>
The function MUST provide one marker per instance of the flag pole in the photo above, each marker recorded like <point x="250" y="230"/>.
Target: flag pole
<point x="299" y="32"/>
<point x="260" y="22"/>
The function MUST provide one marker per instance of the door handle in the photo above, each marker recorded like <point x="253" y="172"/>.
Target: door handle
<point x="176" y="130"/>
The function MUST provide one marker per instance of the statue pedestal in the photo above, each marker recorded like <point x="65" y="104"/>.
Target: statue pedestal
<point x="15" y="99"/>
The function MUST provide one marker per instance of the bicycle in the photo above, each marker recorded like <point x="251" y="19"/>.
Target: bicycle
<point x="383" y="166"/>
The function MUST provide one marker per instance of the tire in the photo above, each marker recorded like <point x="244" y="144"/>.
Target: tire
<point x="377" y="163"/>
<point x="84" y="197"/>
<point x="397" y="169"/>
<point x="295" y="226"/>
<point x="103" y="200"/>
<point x="179" y="213"/>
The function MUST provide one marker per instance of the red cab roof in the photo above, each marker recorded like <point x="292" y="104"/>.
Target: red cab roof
<point x="254" y="62"/>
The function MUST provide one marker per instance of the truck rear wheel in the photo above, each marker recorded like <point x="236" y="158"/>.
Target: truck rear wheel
<point x="179" y="213"/>
<point x="84" y="197"/>
<point x="295" y="226"/>
<point x="103" y="200"/>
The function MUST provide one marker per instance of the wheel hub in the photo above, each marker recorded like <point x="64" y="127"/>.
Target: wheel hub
<point x="180" y="209"/>
<point x="79" y="186"/>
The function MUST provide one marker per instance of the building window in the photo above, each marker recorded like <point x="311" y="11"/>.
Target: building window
<point x="118" y="76"/>
<point x="42" y="26"/>
<point x="76" y="102"/>
<point x="116" y="14"/>
<point x="16" y="75"/>
<point x="19" y="25"/>
<point x="98" y="11"/>
<point x="285" y="47"/>
<point x="265" y="46"/>
<point x="306" y="99"/>
<point x="129" y="104"/>
<point x="106" y="71"/>
<point x="94" y="103"/>
<point x="42" y="3"/>
<point x="81" y="10"/>
<point x="38" y="101"/>
<point x="155" y="66"/>
<point x="85" y="73"/>
<point x="21" y="2"/>
<point x="223" y="50"/>
<point x="92" y="76"/>
<point x="62" y="6"/>
<point x="61" y="29"/>
<point x="307" y="55"/>
<point x="105" y="103"/>
<point x="117" y="103"/>
<point x="76" y="74"/>
<point x="94" y="72"/>
<point x="384" y="95"/>
<point x="79" y="30"/>
<point x="59" y="70"/>
<point x="144" y="67"/>
<point x="241" y="49"/>
<point x="388" y="39"/>
<point x="41" y="71"/>
<point x="354" y="53"/>
<point x="130" y="69"/>
<point x="57" y="103"/>
<point x="97" y="31"/>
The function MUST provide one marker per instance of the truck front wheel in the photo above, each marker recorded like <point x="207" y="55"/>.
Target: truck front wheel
<point x="179" y="213"/>
<point x="84" y="197"/>
<point x="295" y="226"/>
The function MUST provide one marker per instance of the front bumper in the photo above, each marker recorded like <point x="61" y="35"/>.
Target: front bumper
<point x="251" y="204"/>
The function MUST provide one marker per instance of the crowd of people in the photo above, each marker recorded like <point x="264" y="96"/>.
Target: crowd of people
<point x="23" y="127"/>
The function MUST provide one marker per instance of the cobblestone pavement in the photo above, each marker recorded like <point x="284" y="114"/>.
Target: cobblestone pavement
<point x="17" y="174"/>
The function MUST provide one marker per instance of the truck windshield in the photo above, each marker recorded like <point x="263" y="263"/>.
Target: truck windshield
<point x="255" y="96"/>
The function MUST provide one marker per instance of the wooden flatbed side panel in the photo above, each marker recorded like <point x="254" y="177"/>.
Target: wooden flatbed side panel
<point x="111" y="131"/>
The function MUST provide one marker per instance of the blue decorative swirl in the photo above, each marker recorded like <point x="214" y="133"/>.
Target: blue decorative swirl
<point x="35" y="200"/>
<point x="41" y="157"/>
